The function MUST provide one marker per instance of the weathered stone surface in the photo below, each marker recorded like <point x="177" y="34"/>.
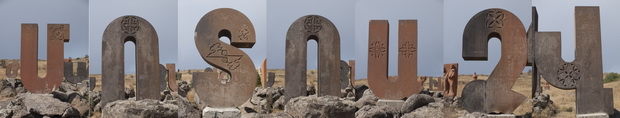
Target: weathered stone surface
<point x="234" y="85"/>
<point x="531" y="53"/>
<point x="148" y="73"/>
<point x="324" y="107"/>
<point x="41" y="105"/>
<point x="12" y="69"/>
<point x="280" y="103"/>
<point x="57" y="34"/>
<point x="585" y="72"/>
<point x="183" y="88"/>
<point x="264" y="98"/>
<point x="352" y="72"/>
<point x="172" y="77"/>
<point x="229" y="112"/>
<point x="380" y="111"/>
<point x="324" y="32"/>
<point x="163" y="85"/>
<point x="495" y="94"/>
<point x="310" y="90"/>
<point x="433" y="110"/>
<point x="82" y="72"/>
<point x="263" y="74"/>
<point x="187" y="109"/>
<point x="147" y="108"/>
<point x="368" y="98"/>
<point x="406" y="83"/>
<point x="271" y="79"/>
<point x="451" y="79"/>
<point x="359" y="91"/>
<point x="344" y="75"/>
<point x="416" y="101"/>
<point x="92" y="83"/>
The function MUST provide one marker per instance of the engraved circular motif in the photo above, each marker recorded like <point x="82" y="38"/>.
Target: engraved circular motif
<point x="130" y="25"/>
<point x="569" y="75"/>
<point x="57" y="33"/>
<point x="313" y="24"/>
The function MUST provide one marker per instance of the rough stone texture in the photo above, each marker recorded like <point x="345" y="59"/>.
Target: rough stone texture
<point x="148" y="73"/>
<point x="451" y="79"/>
<point x="187" y="109"/>
<point x="57" y="35"/>
<point x="184" y="87"/>
<point x="495" y="94"/>
<point x="406" y="83"/>
<point x="12" y="69"/>
<point x="368" y="98"/>
<point x="585" y="72"/>
<point x="324" y="107"/>
<point x="264" y="98"/>
<point x="344" y="74"/>
<point x="593" y="115"/>
<point x="352" y="72"/>
<point x="379" y="111"/>
<point x="229" y="112"/>
<point x="310" y="90"/>
<point x="172" y="77"/>
<point x="416" y="101"/>
<point x="271" y="79"/>
<point x="433" y="110"/>
<point x="321" y="29"/>
<point x="359" y="91"/>
<point x="234" y="85"/>
<point x="40" y="105"/>
<point x="82" y="72"/>
<point x="146" y="108"/>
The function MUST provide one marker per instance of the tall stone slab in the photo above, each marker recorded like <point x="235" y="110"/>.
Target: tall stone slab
<point x="139" y="31"/>
<point x="172" y="77"/>
<point x="319" y="28"/>
<point x="12" y="69"/>
<point x="237" y="80"/>
<point x="495" y="94"/>
<point x="164" y="84"/>
<point x="585" y="73"/>
<point x="82" y="72"/>
<point x="263" y="72"/>
<point x="352" y="72"/>
<point x="406" y="83"/>
<point x="57" y="35"/>
<point x="271" y="79"/>
<point x="531" y="50"/>
<point x="344" y="74"/>
<point x="451" y="79"/>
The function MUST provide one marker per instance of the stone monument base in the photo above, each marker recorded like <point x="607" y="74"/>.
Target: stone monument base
<point x="229" y="112"/>
<point x="396" y="104"/>
<point x="593" y="115"/>
<point x="500" y="116"/>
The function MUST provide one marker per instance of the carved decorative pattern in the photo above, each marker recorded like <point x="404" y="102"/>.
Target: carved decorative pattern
<point x="313" y="24"/>
<point x="130" y="25"/>
<point x="58" y="32"/>
<point x="377" y="49"/>
<point x="231" y="60"/>
<point x="407" y="49"/>
<point x="569" y="75"/>
<point x="243" y="33"/>
<point x="495" y="19"/>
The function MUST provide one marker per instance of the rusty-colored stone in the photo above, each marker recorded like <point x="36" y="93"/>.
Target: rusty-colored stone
<point x="495" y="94"/>
<point x="344" y="75"/>
<point x="421" y="80"/>
<point x="139" y="31"/>
<point x="82" y="72"/>
<point x="172" y="77"/>
<point x="585" y="73"/>
<point x="236" y="82"/>
<point x="12" y="69"/>
<point x="263" y="72"/>
<point x="406" y="83"/>
<point x="451" y="79"/>
<point x="57" y="35"/>
<point x="352" y="72"/>
<point x="319" y="28"/>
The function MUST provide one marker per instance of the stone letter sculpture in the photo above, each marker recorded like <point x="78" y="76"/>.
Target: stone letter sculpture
<point x="495" y="94"/>
<point x="82" y="72"/>
<point x="57" y="34"/>
<point x="148" y="73"/>
<point x="585" y="73"/>
<point x="451" y="79"/>
<point x="219" y="89"/>
<point x="319" y="28"/>
<point x="406" y="83"/>
<point x="172" y="77"/>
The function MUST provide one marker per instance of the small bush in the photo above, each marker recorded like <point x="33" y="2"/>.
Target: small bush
<point x="611" y="77"/>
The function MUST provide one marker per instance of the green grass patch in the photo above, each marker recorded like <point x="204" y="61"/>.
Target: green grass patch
<point x="611" y="77"/>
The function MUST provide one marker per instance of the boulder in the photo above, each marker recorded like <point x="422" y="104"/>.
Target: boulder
<point x="146" y="108"/>
<point x="310" y="90"/>
<point x="325" y="107"/>
<point x="187" y="109"/>
<point x="416" y="101"/>
<point x="368" y="98"/>
<point x="359" y="91"/>
<point x="231" y="112"/>
<point x="129" y="93"/>
<point x="40" y="105"/>
<point x="379" y="111"/>
<point x="279" y="104"/>
<point x="433" y="110"/>
<point x="183" y="88"/>
<point x="263" y="99"/>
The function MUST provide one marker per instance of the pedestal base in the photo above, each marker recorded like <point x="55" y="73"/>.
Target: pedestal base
<point x="396" y="104"/>
<point x="230" y="112"/>
<point x="593" y="115"/>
